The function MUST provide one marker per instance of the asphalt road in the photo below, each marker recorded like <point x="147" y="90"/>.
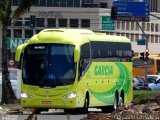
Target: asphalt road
<point x="50" y="115"/>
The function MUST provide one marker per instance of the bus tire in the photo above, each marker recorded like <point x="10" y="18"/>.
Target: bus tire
<point x="121" y="101"/>
<point x="111" y="108"/>
<point x="38" y="111"/>
<point x="84" y="110"/>
<point x="115" y="104"/>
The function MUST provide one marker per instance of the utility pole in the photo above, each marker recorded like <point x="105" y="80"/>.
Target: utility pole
<point x="146" y="42"/>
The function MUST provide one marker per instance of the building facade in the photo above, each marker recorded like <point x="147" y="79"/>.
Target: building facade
<point x="88" y="14"/>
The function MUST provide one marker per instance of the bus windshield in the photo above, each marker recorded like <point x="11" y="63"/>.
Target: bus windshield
<point x="48" y="65"/>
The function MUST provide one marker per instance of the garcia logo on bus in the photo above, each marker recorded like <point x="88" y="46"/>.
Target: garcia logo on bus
<point x="103" y="70"/>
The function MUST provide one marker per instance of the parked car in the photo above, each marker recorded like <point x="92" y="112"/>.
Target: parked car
<point x="151" y="78"/>
<point x="154" y="82"/>
<point x="139" y="83"/>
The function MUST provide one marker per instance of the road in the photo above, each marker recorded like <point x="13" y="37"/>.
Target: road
<point x="50" y="115"/>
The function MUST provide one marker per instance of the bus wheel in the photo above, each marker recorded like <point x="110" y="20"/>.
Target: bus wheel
<point x="38" y="111"/>
<point x="115" y="104"/>
<point x="121" y="101"/>
<point x="84" y="110"/>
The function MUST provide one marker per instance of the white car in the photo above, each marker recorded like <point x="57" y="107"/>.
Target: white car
<point x="140" y="84"/>
<point x="155" y="85"/>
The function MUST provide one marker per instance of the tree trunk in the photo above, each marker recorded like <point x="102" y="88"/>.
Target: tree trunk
<point x="8" y="95"/>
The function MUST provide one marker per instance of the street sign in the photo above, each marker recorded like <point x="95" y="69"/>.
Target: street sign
<point x="141" y="42"/>
<point x="143" y="63"/>
<point x="130" y="18"/>
<point x="11" y="62"/>
<point x="126" y="11"/>
<point x="107" y="23"/>
<point x="14" y="42"/>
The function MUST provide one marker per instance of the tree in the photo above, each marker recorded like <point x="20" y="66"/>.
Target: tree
<point x="8" y="95"/>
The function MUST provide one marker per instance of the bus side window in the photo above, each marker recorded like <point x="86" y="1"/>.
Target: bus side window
<point x="83" y="66"/>
<point x="85" y="59"/>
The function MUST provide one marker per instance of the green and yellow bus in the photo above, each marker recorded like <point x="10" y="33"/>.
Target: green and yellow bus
<point x="75" y="69"/>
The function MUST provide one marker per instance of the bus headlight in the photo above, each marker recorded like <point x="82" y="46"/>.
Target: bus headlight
<point x="71" y="95"/>
<point x="25" y="95"/>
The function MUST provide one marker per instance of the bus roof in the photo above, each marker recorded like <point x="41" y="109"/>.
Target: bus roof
<point x="108" y="38"/>
<point x="74" y="36"/>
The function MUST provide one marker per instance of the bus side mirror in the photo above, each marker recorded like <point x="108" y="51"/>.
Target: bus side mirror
<point x="19" y="52"/>
<point x="76" y="54"/>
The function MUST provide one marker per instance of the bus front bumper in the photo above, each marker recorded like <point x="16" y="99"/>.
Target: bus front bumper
<point x="49" y="102"/>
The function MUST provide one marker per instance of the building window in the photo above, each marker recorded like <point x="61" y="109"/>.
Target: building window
<point x="56" y="3"/>
<point x="152" y="38"/>
<point x="156" y="39"/>
<point x="118" y="34"/>
<point x="77" y="3"/>
<point x="28" y="33"/>
<point x="62" y="22"/>
<point x="63" y="3"/>
<point x="51" y="22"/>
<point x="49" y="3"/>
<point x="36" y="3"/>
<point x="143" y="26"/>
<point x="87" y="1"/>
<point x="132" y="25"/>
<point x="85" y="23"/>
<point x="127" y="35"/>
<point x="42" y="2"/>
<point x="17" y="33"/>
<point x="127" y="25"/>
<point x="69" y="3"/>
<point x="152" y="27"/>
<point x="40" y="22"/>
<point x="136" y="37"/>
<point x="15" y="2"/>
<point x="8" y="32"/>
<point x="73" y="22"/>
<point x="37" y="31"/>
<point x="132" y="37"/>
<point x="118" y="24"/>
<point x="111" y="33"/>
<point x="123" y="25"/>
<point x="19" y="22"/>
<point x="156" y="27"/>
<point x="27" y="21"/>
<point x="137" y="27"/>
<point x="9" y="22"/>
<point x="148" y="26"/>
<point x="122" y="34"/>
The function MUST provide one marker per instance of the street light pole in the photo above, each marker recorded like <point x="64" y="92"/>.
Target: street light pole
<point x="146" y="42"/>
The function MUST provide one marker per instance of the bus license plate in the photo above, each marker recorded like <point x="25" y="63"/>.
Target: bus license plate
<point x="46" y="102"/>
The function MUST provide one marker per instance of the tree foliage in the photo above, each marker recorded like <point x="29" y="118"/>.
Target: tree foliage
<point x="6" y="14"/>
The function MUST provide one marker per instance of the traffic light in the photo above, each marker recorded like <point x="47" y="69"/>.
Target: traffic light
<point x="32" y="21"/>
<point x="147" y="54"/>
<point x="113" y="13"/>
<point x="142" y="56"/>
